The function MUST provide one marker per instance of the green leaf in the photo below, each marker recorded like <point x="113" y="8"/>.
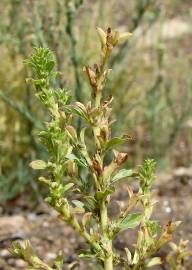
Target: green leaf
<point x="38" y="165"/>
<point x="86" y="254"/>
<point x="81" y="161"/>
<point x="114" y="142"/>
<point x="122" y="174"/>
<point x="50" y="66"/>
<point x="72" y="132"/>
<point x="78" y="203"/>
<point x="91" y="203"/>
<point x="59" y="262"/>
<point x="78" y="109"/>
<point x="82" y="135"/>
<point x="100" y="195"/>
<point x="130" y="222"/>
<point x="154" y="261"/>
<point x="153" y="226"/>
<point x="67" y="187"/>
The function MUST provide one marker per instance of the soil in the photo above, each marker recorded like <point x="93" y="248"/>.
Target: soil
<point x="50" y="236"/>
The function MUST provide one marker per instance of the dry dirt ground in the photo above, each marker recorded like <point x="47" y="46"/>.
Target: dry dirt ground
<point x="49" y="235"/>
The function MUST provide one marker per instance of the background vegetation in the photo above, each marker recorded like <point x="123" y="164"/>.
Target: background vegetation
<point x="151" y="77"/>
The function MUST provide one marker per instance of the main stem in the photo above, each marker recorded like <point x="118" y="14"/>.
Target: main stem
<point x="108" y="261"/>
<point x="108" y="249"/>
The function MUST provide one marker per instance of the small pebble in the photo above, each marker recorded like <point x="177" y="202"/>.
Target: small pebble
<point x="20" y="264"/>
<point x="32" y="217"/>
<point x="50" y="256"/>
<point x="4" y="253"/>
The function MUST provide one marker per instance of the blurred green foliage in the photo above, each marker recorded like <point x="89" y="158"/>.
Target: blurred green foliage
<point x="151" y="76"/>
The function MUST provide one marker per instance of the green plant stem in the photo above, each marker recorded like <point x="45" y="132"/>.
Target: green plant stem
<point x="108" y="261"/>
<point x="108" y="264"/>
<point x="103" y="211"/>
<point x="71" y="220"/>
<point x="98" y="100"/>
<point x="108" y="250"/>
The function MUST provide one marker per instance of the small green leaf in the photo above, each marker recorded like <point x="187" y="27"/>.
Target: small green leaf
<point x="82" y="135"/>
<point x="102" y="36"/>
<point x="67" y="187"/>
<point x="154" y="261"/>
<point x="86" y="254"/>
<point x="59" y="262"/>
<point x="50" y="66"/>
<point x="114" y="142"/>
<point x="78" y="109"/>
<point x="122" y="174"/>
<point x="129" y="256"/>
<point x="153" y="226"/>
<point x="130" y="222"/>
<point x="45" y="180"/>
<point x="100" y="195"/>
<point x="81" y="161"/>
<point x="78" y="204"/>
<point x="91" y="203"/>
<point x="38" y="165"/>
<point x="72" y="132"/>
<point x="71" y="156"/>
<point x="135" y="257"/>
<point x="124" y="37"/>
